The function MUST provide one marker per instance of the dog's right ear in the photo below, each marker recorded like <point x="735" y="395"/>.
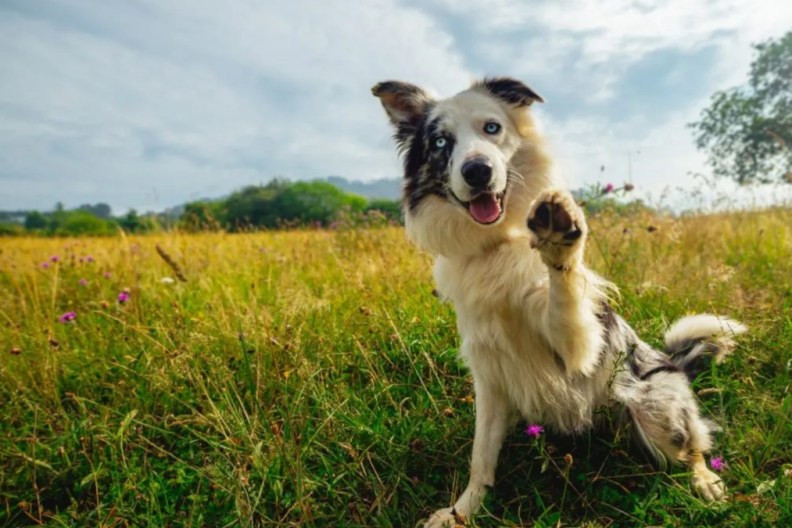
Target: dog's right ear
<point x="511" y="91"/>
<point x="405" y="103"/>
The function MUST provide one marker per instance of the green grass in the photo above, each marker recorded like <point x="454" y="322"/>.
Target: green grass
<point x="310" y="378"/>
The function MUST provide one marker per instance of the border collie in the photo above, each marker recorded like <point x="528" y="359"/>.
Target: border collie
<point x="538" y="334"/>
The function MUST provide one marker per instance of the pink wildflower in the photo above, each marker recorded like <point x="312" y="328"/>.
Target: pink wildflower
<point x="717" y="463"/>
<point x="106" y="275"/>
<point x="54" y="258"/>
<point x="67" y="317"/>
<point x="45" y="265"/>
<point x="608" y="189"/>
<point x="123" y="297"/>
<point x="83" y="282"/>
<point x="534" y="430"/>
<point x="89" y="258"/>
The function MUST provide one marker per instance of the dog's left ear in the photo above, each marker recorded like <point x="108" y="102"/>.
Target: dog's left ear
<point x="511" y="91"/>
<point x="405" y="103"/>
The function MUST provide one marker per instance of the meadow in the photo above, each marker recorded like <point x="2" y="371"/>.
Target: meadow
<point x="309" y="378"/>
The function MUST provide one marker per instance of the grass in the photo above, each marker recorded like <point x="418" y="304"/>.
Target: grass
<point x="309" y="378"/>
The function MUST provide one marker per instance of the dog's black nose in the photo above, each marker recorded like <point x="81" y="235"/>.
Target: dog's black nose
<point x="477" y="172"/>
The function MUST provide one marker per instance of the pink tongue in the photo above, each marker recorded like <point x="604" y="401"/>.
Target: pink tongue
<point x="485" y="208"/>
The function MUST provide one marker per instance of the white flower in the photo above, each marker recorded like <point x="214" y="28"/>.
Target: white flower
<point x="167" y="280"/>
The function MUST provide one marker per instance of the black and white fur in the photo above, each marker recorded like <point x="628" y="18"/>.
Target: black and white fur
<point x="537" y="332"/>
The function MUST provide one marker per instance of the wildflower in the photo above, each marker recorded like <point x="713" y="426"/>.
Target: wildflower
<point x="54" y="258"/>
<point x="104" y="304"/>
<point x="123" y="297"/>
<point x="717" y="463"/>
<point x="83" y="282"/>
<point x="89" y="258"/>
<point x="608" y="189"/>
<point x="67" y="317"/>
<point x="628" y="187"/>
<point x="45" y="265"/>
<point x="534" y="430"/>
<point x="167" y="280"/>
<point x="106" y="275"/>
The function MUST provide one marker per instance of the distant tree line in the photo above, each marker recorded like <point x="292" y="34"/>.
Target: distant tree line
<point x="278" y="204"/>
<point x="281" y="204"/>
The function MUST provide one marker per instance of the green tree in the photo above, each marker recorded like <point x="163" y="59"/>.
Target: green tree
<point x="76" y="223"/>
<point x="35" y="221"/>
<point x="390" y="208"/>
<point x="132" y="222"/>
<point x="252" y="206"/>
<point x="198" y="216"/>
<point x="101" y="210"/>
<point x="316" y="201"/>
<point x="747" y="131"/>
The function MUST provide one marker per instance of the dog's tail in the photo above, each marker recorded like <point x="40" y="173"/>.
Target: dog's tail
<point x="693" y="341"/>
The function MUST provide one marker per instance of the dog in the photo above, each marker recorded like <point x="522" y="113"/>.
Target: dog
<point x="537" y="331"/>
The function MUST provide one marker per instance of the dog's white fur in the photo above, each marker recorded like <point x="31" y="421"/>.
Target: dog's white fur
<point x="529" y="310"/>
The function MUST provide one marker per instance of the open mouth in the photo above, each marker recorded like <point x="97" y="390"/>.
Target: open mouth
<point x="486" y="208"/>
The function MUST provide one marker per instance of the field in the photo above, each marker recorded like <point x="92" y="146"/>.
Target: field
<point x="309" y="378"/>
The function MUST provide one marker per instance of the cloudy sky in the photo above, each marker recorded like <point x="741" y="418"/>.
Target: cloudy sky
<point x="149" y="103"/>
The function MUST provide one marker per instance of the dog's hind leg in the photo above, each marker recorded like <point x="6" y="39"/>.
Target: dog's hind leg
<point x="492" y="421"/>
<point x="668" y="421"/>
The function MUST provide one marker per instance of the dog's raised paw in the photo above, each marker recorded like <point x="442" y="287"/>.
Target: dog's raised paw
<point x="444" y="518"/>
<point x="555" y="218"/>
<point x="558" y="225"/>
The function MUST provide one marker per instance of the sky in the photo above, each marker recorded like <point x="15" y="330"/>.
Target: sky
<point x="147" y="104"/>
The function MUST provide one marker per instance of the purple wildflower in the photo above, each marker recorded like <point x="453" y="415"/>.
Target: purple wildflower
<point x="67" y="317"/>
<point x="54" y="258"/>
<point x="123" y="297"/>
<point x="717" y="463"/>
<point x="534" y="430"/>
<point x="45" y="265"/>
<point x="83" y="282"/>
<point x="608" y="189"/>
<point x="89" y="258"/>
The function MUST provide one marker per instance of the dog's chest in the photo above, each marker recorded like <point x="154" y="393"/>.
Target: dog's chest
<point x="502" y="349"/>
<point x="521" y="366"/>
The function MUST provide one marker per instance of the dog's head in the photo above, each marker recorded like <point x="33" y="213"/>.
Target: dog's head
<point x="469" y="161"/>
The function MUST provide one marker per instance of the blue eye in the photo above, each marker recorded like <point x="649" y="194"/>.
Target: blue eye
<point x="492" y="128"/>
<point x="440" y="142"/>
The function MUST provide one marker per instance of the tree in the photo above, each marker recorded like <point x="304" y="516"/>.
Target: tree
<point x="198" y="216"/>
<point x="35" y="220"/>
<point x="77" y="223"/>
<point x="100" y="210"/>
<point x="747" y="131"/>
<point x="315" y="201"/>
<point x="251" y="206"/>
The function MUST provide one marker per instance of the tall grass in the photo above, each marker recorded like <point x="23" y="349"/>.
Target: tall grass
<point x="309" y="378"/>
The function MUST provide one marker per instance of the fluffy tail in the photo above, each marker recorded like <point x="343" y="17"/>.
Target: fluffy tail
<point x="693" y="341"/>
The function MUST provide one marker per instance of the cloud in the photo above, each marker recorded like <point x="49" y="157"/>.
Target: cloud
<point x="126" y="102"/>
<point x="147" y="104"/>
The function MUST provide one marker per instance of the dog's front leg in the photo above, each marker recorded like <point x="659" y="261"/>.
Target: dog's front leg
<point x="569" y="305"/>
<point x="492" y="420"/>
